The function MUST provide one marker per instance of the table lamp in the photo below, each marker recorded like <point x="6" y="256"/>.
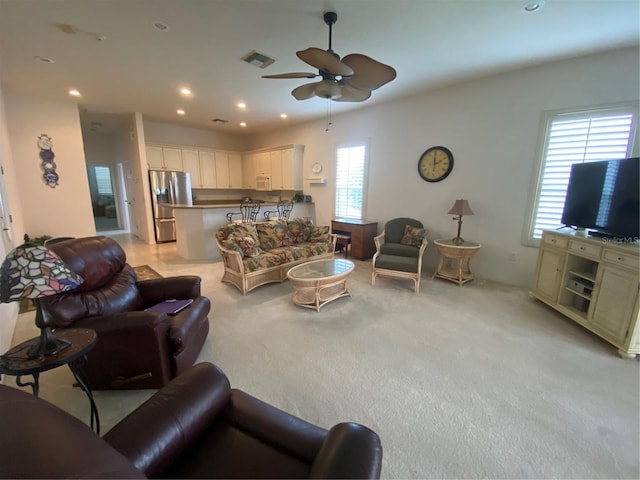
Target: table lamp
<point x="33" y="271"/>
<point x="460" y="208"/>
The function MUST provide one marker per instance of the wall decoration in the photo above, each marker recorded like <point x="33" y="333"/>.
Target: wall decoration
<point x="46" y="157"/>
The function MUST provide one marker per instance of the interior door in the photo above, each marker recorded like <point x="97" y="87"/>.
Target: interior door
<point x="130" y="198"/>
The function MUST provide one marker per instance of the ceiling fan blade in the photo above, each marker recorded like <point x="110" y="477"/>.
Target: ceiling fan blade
<point x="305" y="91"/>
<point x="292" y="75"/>
<point x="351" y="94"/>
<point x="369" y="73"/>
<point x="323" y="60"/>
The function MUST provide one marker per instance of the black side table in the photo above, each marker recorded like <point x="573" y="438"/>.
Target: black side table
<point x="82" y="340"/>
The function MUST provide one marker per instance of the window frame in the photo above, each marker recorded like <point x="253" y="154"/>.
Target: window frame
<point x="546" y="122"/>
<point x="365" y="174"/>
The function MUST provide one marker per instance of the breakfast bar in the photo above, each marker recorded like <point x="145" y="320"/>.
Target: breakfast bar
<point x="196" y="226"/>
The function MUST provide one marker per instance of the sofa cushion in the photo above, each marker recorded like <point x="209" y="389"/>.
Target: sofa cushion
<point x="299" y="229"/>
<point x="412" y="236"/>
<point x="399" y="250"/>
<point x="271" y="258"/>
<point x="395" y="262"/>
<point x="273" y="234"/>
<point x="319" y="233"/>
<point x="242" y="237"/>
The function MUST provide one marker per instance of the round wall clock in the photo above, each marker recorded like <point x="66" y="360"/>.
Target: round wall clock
<point x="316" y="168"/>
<point x="435" y="164"/>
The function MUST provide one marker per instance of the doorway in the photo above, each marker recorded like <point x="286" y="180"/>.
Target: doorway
<point x="103" y="199"/>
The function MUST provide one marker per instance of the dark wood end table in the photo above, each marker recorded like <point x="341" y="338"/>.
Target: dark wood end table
<point x="16" y="362"/>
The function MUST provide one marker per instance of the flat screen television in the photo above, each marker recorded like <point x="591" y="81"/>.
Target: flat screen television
<point x="603" y="198"/>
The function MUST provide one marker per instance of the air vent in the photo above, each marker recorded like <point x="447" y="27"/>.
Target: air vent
<point x="219" y="120"/>
<point x="258" y="59"/>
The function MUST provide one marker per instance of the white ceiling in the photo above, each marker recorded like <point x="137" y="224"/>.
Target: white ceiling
<point x="139" y="68"/>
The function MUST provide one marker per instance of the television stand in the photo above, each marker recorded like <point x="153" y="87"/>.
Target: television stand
<point x="594" y="282"/>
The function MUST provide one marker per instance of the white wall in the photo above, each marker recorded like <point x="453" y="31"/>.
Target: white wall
<point x="10" y="239"/>
<point x="492" y="127"/>
<point x="196" y="137"/>
<point x="63" y="211"/>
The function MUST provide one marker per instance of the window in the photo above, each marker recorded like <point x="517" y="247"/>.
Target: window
<point x="350" y="180"/>
<point x="103" y="180"/>
<point x="605" y="134"/>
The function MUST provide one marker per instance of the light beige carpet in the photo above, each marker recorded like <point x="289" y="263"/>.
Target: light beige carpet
<point x="472" y="382"/>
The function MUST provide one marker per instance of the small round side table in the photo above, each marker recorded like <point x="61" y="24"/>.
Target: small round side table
<point x="460" y="254"/>
<point x="16" y="362"/>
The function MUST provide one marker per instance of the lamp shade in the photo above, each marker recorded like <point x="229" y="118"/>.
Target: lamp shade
<point x="34" y="271"/>
<point x="461" y="207"/>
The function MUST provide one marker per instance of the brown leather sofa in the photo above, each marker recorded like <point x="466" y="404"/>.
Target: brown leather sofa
<point x="194" y="427"/>
<point x="136" y="348"/>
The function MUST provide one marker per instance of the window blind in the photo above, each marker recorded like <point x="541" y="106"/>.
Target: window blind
<point x="350" y="171"/>
<point x="587" y="138"/>
<point x="103" y="180"/>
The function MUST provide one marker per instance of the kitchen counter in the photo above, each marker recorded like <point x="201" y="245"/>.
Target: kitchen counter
<point x="196" y="225"/>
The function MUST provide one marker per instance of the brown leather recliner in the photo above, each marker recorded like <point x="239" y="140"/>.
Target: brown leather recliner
<point x="136" y="348"/>
<point x="194" y="427"/>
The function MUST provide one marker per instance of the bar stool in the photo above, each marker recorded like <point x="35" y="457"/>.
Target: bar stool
<point x="343" y="241"/>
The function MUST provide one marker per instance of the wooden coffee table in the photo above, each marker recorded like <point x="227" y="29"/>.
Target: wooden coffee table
<point x="320" y="282"/>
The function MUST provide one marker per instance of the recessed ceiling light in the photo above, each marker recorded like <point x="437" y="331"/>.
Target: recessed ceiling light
<point x="533" y="6"/>
<point x="283" y="115"/>
<point x="185" y="91"/>
<point x="243" y="124"/>
<point x="242" y="105"/>
<point x="44" y="59"/>
<point x="180" y="111"/>
<point x="74" y="92"/>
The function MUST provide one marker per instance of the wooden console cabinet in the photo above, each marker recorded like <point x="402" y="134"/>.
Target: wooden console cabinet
<point x="361" y="232"/>
<point x="594" y="282"/>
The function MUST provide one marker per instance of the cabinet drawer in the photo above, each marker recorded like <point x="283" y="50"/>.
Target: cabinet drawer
<point x="556" y="241"/>
<point x="585" y="249"/>
<point x="618" y="258"/>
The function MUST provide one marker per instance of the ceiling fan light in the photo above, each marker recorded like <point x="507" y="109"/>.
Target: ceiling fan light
<point x="328" y="89"/>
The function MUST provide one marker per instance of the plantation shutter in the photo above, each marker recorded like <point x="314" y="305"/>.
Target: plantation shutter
<point x="588" y="138"/>
<point x="350" y="171"/>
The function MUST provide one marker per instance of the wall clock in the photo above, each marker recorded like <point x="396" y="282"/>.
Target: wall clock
<point x="435" y="164"/>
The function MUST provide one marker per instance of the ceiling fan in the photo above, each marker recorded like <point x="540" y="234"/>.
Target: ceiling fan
<point x="350" y="79"/>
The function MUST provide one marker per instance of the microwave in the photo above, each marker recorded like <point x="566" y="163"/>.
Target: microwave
<point x="263" y="183"/>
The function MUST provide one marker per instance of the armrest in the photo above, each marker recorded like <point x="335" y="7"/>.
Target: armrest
<point x="275" y="427"/>
<point x="379" y="240"/>
<point x="159" y="289"/>
<point x="155" y="322"/>
<point x="423" y="246"/>
<point x="350" y="450"/>
<point x="232" y="259"/>
<point x="159" y="430"/>
<point x="334" y="239"/>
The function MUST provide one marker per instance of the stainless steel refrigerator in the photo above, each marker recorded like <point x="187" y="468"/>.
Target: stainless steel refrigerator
<point x="168" y="189"/>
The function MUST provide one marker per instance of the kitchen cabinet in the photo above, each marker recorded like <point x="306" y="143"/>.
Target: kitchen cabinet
<point x="248" y="171"/>
<point x="191" y="165"/>
<point x="164" y="157"/>
<point x="283" y="165"/>
<point x="207" y="169"/>
<point x="286" y="168"/>
<point x="262" y="164"/>
<point x="228" y="169"/>
<point x="593" y="282"/>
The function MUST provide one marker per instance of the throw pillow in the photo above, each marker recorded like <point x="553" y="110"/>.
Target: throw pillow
<point x="299" y="229"/>
<point x="319" y="233"/>
<point x="412" y="236"/>
<point x="248" y="245"/>
<point x="273" y="235"/>
<point x="241" y="237"/>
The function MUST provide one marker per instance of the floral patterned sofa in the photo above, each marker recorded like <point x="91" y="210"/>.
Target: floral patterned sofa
<point x="263" y="252"/>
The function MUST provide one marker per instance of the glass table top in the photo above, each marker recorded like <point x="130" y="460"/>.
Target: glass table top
<point x="321" y="269"/>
